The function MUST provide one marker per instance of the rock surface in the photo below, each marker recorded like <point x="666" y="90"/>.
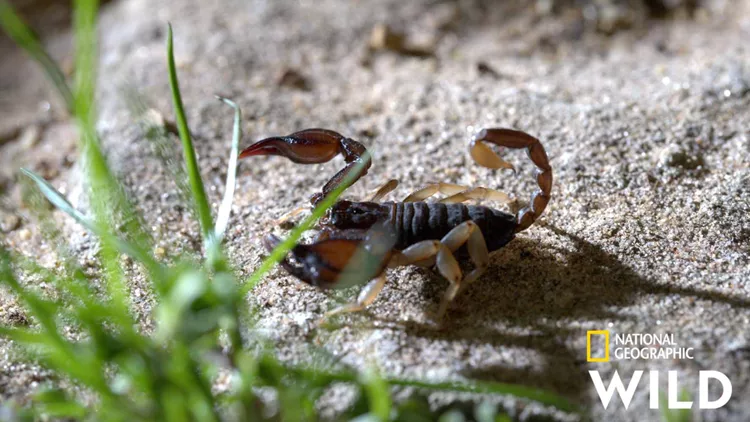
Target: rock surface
<point x="648" y="230"/>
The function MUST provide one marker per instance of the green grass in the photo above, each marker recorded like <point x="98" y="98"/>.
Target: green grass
<point x="203" y="210"/>
<point x="200" y="315"/>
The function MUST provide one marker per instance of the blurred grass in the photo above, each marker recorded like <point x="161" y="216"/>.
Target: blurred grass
<point x="25" y="37"/>
<point x="174" y="373"/>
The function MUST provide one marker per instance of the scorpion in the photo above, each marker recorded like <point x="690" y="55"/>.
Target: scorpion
<point x="410" y="232"/>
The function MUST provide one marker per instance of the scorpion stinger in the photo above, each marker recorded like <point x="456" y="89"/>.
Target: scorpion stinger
<point x="515" y="139"/>
<point x="313" y="146"/>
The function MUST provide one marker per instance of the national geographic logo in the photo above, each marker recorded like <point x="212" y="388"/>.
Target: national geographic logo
<point x="650" y="347"/>
<point x="646" y="346"/>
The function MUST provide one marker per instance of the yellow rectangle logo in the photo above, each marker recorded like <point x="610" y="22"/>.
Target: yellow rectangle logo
<point x="591" y="333"/>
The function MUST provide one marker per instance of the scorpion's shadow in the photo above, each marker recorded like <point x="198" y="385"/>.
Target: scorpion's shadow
<point x="541" y="292"/>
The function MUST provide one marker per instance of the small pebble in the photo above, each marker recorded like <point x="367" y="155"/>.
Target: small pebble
<point x="485" y="69"/>
<point x="30" y="136"/>
<point x="286" y="225"/>
<point x="25" y="234"/>
<point x="17" y="318"/>
<point x="292" y="78"/>
<point x="383" y="37"/>
<point x="10" y="223"/>
<point x="678" y="157"/>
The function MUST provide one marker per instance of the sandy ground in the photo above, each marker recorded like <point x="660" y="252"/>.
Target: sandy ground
<point x="648" y="230"/>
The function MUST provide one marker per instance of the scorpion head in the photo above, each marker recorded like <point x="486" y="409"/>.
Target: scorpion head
<point x="355" y="215"/>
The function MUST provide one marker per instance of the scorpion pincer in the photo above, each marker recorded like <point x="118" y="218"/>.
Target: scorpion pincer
<point x="410" y="232"/>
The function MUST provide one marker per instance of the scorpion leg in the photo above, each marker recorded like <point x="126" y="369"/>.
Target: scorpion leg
<point x="432" y="189"/>
<point x="442" y="252"/>
<point x="424" y="251"/>
<point x="382" y="191"/>
<point x="314" y="146"/>
<point x="426" y="263"/>
<point x="365" y="298"/>
<point x="465" y="233"/>
<point x="484" y="156"/>
<point x="291" y="214"/>
<point x="428" y="253"/>
<point x="478" y="193"/>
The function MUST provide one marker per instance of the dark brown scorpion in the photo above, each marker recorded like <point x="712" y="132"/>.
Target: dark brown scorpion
<point x="421" y="233"/>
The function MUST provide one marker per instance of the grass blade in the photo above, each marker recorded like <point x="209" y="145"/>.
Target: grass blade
<point x="59" y="201"/>
<point x="484" y="387"/>
<point x="196" y="183"/>
<point x="44" y="310"/>
<point x="85" y="62"/>
<point x="105" y="193"/>
<point x="76" y="290"/>
<point x="56" y="198"/>
<point x="27" y="39"/>
<point x="225" y="208"/>
<point x="57" y="404"/>
<point x="378" y="393"/>
<point x="477" y="387"/>
<point x="56" y="349"/>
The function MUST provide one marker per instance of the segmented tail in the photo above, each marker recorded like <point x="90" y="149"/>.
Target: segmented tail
<point x="515" y="139"/>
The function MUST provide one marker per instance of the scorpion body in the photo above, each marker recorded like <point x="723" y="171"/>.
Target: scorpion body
<point x="413" y="222"/>
<point x="410" y="232"/>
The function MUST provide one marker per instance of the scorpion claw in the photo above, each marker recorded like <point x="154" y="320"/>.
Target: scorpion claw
<point x="314" y="146"/>
<point x="300" y="150"/>
<point x="319" y="264"/>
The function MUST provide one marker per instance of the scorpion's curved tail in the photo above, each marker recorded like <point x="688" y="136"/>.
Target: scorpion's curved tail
<point x="509" y="138"/>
